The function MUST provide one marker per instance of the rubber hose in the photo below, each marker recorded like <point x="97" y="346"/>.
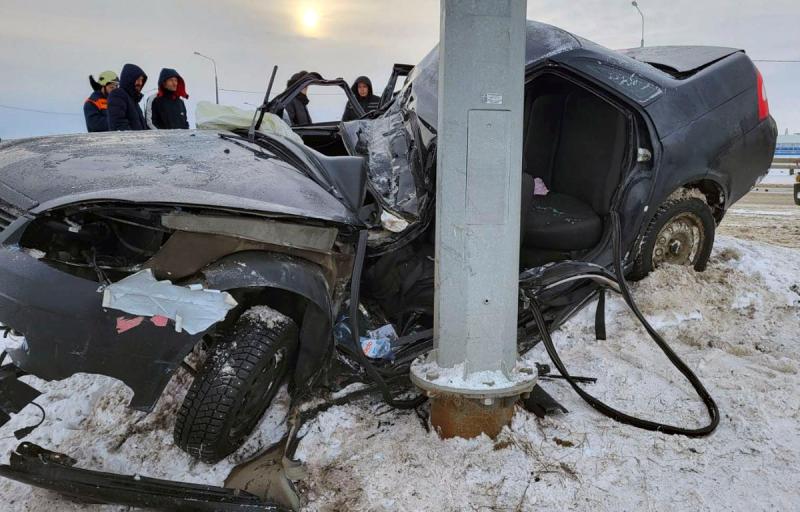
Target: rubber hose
<point x="607" y="410"/>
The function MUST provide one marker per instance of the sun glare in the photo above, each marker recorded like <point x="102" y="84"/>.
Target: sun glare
<point x="310" y="19"/>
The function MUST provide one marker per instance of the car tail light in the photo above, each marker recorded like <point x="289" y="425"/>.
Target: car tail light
<point x="763" y="104"/>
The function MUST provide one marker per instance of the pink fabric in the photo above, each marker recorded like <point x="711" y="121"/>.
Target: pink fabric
<point x="539" y="188"/>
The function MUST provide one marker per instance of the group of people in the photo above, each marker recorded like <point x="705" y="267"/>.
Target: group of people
<point x="296" y="112"/>
<point x="114" y="104"/>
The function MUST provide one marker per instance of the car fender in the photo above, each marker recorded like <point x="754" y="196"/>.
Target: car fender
<point x="257" y="269"/>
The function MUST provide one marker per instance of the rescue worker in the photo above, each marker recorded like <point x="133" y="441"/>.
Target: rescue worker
<point x="296" y="112"/>
<point x="362" y="89"/>
<point x="95" y="108"/>
<point x="124" y="112"/>
<point x="165" y="110"/>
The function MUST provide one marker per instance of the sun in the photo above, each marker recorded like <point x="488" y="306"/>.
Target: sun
<point x="310" y="19"/>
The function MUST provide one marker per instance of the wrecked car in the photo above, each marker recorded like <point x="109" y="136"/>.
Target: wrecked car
<point x="123" y="253"/>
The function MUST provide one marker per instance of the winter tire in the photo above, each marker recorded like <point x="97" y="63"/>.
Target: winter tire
<point x="680" y="233"/>
<point x="236" y="385"/>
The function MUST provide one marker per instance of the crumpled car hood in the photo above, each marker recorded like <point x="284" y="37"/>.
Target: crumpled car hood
<point x="186" y="167"/>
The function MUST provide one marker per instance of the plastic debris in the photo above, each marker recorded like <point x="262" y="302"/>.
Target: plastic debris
<point x="377" y="348"/>
<point x="377" y="344"/>
<point x="192" y="310"/>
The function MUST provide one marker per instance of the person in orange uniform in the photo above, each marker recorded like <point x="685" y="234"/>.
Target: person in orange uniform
<point x="95" y="108"/>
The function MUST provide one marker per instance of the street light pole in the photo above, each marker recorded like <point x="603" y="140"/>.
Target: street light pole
<point x="216" y="82"/>
<point x="636" y="4"/>
<point x="473" y="375"/>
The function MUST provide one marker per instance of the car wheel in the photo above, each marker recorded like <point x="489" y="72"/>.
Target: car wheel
<point x="680" y="233"/>
<point x="236" y="384"/>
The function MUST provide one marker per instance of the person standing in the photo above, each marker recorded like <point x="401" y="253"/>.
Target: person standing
<point x="95" y="108"/>
<point x="124" y="112"/>
<point x="362" y="89"/>
<point x="296" y="112"/>
<point x="165" y="110"/>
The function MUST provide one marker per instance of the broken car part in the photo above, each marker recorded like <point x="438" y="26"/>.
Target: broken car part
<point x="612" y="413"/>
<point x="193" y="308"/>
<point x="33" y="465"/>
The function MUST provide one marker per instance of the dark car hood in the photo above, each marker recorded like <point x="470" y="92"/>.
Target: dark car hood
<point x="176" y="167"/>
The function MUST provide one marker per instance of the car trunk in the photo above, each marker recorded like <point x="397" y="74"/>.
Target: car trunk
<point x="575" y="144"/>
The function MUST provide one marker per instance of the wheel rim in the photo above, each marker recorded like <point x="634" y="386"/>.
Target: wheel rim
<point x="259" y="396"/>
<point x="679" y="241"/>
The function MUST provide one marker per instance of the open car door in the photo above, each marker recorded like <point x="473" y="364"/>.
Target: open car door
<point x="390" y="91"/>
<point x="322" y="136"/>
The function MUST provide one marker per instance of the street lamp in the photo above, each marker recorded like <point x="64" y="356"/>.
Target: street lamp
<point x="635" y="4"/>
<point x="216" y="82"/>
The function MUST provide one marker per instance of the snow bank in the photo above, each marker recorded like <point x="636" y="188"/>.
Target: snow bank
<point x="88" y="418"/>
<point x="736" y="325"/>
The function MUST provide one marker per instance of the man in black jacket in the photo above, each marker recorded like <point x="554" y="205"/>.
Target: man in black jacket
<point x="165" y="110"/>
<point x="124" y="112"/>
<point x="95" y="108"/>
<point x="296" y="112"/>
<point x="362" y="89"/>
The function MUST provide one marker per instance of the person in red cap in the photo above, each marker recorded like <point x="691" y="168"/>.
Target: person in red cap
<point x="165" y="110"/>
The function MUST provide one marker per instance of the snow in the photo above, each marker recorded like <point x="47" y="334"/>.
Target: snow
<point x="736" y="325"/>
<point x="267" y="316"/>
<point x="456" y="377"/>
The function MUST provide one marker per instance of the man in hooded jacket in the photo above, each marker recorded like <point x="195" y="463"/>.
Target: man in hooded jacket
<point x="165" y="110"/>
<point x="296" y="112"/>
<point x="95" y="107"/>
<point x="124" y="112"/>
<point x="362" y="89"/>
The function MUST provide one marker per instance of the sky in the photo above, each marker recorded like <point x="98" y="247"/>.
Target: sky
<point x="49" y="47"/>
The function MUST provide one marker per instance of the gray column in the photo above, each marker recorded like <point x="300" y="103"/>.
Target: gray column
<point x="472" y="376"/>
<point x="481" y="93"/>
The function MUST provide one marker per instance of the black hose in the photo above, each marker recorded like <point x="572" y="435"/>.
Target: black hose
<point x="612" y="413"/>
<point x="372" y="372"/>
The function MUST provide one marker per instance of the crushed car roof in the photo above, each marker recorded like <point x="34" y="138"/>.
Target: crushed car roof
<point x="187" y="167"/>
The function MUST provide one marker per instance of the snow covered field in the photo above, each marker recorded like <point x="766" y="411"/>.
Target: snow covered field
<point x="737" y="325"/>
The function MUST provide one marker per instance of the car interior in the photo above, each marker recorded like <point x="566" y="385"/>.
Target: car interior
<point x="575" y="142"/>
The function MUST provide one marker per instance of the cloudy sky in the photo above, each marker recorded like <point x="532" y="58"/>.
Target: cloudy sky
<point x="49" y="47"/>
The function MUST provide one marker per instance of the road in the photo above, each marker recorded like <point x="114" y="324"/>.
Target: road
<point x="767" y="214"/>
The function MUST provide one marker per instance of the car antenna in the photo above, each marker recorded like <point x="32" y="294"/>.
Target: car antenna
<point x="258" y="116"/>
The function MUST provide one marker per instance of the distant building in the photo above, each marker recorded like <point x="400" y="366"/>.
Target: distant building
<point x="788" y="146"/>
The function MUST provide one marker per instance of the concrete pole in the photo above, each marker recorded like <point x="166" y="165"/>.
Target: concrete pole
<point x="472" y="375"/>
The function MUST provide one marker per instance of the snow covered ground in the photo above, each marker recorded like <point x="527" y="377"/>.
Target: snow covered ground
<point x="737" y="325"/>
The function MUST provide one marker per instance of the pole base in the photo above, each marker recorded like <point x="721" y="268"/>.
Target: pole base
<point x="470" y="404"/>
<point x="459" y="416"/>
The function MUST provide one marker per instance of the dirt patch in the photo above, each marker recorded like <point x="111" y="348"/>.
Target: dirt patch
<point x="770" y="217"/>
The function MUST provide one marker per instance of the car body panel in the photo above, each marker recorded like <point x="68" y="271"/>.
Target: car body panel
<point x="683" y="59"/>
<point x="174" y="167"/>
<point x="68" y="331"/>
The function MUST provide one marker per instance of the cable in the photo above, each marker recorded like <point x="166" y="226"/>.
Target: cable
<point x="612" y="413"/>
<point x="40" y="111"/>
<point x="23" y="432"/>
<point x="372" y="372"/>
